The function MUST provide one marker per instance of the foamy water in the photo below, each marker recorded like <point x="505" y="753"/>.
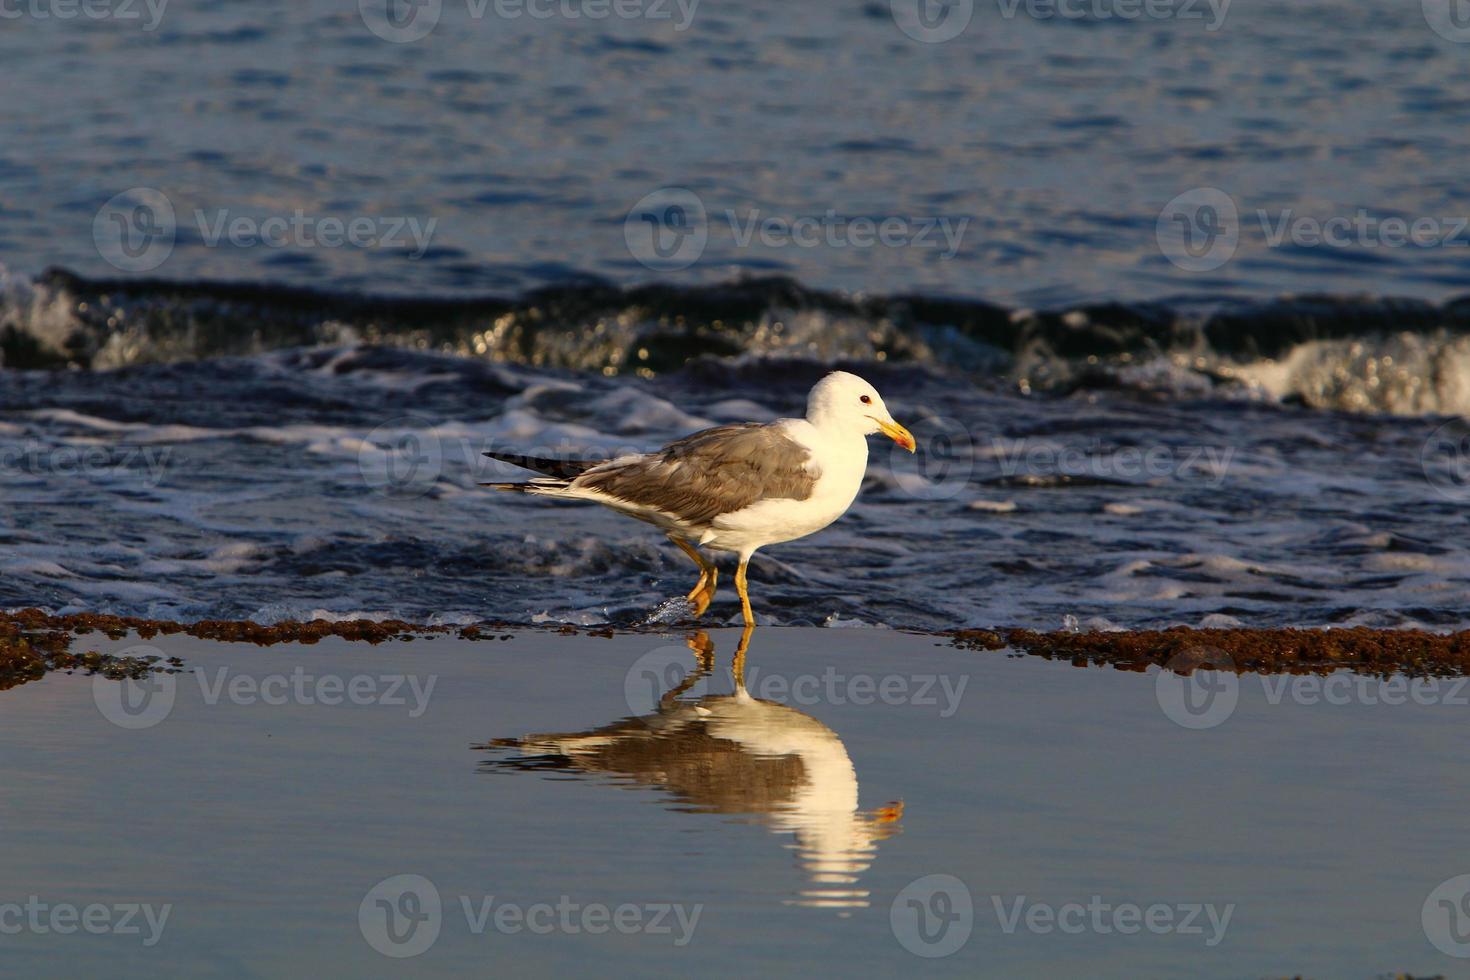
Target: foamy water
<point x="342" y="482"/>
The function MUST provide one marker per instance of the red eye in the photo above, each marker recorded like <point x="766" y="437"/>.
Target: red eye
<point x="866" y="400"/>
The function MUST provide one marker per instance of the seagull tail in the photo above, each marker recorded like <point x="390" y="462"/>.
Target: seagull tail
<point x="550" y="486"/>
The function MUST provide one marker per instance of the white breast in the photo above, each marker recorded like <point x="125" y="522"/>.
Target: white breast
<point x="841" y="464"/>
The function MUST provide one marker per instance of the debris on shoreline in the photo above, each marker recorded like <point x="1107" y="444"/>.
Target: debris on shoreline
<point x="34" y="643"/>
<point x="28" y="655"/>
<point x="1378" y="652"/>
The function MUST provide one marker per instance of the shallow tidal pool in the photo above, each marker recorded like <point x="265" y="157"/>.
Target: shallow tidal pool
<point x="868" y="800"/>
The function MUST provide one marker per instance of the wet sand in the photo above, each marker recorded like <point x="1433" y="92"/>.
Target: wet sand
<point x="273" y="795"/>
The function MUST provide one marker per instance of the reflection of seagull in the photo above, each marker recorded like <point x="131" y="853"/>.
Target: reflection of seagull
<point x="732" y="753"/>
<point x="736" y="488"/>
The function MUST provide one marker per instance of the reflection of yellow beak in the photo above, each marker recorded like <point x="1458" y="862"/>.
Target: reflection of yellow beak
<point x="898" y="434"/>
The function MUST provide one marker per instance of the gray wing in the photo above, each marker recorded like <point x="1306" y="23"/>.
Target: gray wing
<point x="713" y="472"/>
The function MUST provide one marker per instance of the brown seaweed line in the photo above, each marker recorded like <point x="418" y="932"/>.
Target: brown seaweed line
<point x="33" y="642"/>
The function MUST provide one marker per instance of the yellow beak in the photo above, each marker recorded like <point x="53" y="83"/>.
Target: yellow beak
<point x="898" y="434"/>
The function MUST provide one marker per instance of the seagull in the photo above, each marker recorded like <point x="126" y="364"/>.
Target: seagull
<point x="735" y="488"/>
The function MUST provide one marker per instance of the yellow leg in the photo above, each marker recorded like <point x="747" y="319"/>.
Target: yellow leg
<point x="737" y="669"/>
<point x="740" y="586"/>
<point x="704" y="590"/>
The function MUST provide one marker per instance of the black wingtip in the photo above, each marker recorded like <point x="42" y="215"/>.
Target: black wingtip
<point x="564" y="469"/>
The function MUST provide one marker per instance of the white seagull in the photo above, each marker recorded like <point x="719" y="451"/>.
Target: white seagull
<point x="736" y="488"/>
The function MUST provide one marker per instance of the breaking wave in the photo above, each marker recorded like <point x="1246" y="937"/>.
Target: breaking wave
<point x="1353" y="353"/>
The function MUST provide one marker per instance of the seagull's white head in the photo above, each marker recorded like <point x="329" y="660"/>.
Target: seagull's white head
<point x="846" y="403"/>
